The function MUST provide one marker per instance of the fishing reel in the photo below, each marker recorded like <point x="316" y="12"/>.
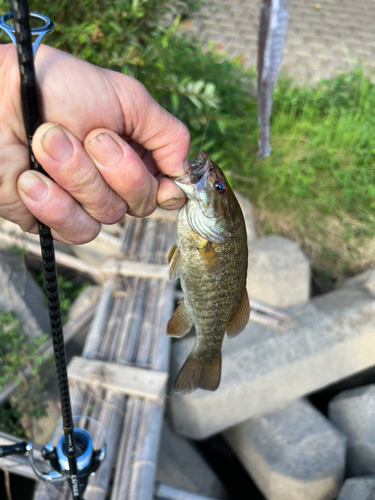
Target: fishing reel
<point x="90" y="443"/>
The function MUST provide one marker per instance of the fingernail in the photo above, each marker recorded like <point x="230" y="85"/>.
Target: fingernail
<point x="33" y="186"/>
<point x="105" y="150"/>
<point x="57" y="144"/>
<point x="171" y="203"/>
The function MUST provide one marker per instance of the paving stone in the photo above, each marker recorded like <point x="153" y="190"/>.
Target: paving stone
<point x="359" y="488"/>
<point x="180" y="465"/>
<point x="334" y="23"/>
<point x="278" y="272"/>
<point x="332" y="337"/>
<point x="21" y="294"/>
<point x="291" y="454"/>
<point x="353" y="412"/>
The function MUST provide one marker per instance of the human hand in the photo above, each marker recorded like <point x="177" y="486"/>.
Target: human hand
<point x="105" y="144"/>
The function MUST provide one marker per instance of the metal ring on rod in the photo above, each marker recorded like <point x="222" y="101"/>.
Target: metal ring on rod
<point x="39" y="32"/>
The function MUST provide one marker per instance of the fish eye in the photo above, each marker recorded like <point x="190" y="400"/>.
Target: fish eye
<point x="220" y="187"/>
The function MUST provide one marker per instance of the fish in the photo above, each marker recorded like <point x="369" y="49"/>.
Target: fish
<point x="210" y="259"/>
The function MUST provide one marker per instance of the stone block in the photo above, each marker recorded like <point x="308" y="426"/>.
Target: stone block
<point x="20" y="294"/>
<point x="180" y="465"/>
<point x="292" y="454"/>
<point x="278" y="272"/>
<point x="330" y="338"/>
<point x="353" y="412"/>
<point x="248" y="214"/>
<point x="358" y="488"/>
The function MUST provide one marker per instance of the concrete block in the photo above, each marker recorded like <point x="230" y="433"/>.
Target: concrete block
<point x="20" y="294"/>
<point x="292" y="454"/>
<point x="278" y="272"/>
<point x="331" y="337"/>
<point x="180" y="465"/>
<point x="353" y="412"/>
<point x="248" y="214"/>
<point x="359" y="488"/>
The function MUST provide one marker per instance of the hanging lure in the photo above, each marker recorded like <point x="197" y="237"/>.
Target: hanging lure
<point x="272" y="30"/>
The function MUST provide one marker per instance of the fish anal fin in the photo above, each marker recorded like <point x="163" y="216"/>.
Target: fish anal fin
<point x="198" y="373"/>
<point x="241" y="316"/>
<point x="174" y="272"/>
<point x="211" y="260"/>
<point x="180" y="323"/>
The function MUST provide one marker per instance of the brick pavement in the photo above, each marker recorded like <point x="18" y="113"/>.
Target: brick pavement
<point x="323" y="38"/>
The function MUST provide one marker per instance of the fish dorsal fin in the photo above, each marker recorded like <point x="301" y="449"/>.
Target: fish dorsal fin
<point x="180" y="323"/>
<point x="241" y="317"/>
<point x="210" y="258"/>
<point x="174" y="271"/>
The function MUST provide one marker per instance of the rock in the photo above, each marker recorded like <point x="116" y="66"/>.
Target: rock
<point x="359" y="488"/>
<point x="353" y="412"/>
<point x="20" y="294"/>
<point x="292" y="454"/>
<point x="331" y="337"/>
<point x="249" y="217"/>
<point x="180" y="465"/>
<point x="278" y="272"/>
<point x="370" y="282"/>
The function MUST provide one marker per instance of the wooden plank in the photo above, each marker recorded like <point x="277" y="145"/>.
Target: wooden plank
<point x="166" y="492"/>
<point x="130" y="380"/>
<point x="133" y="268"/>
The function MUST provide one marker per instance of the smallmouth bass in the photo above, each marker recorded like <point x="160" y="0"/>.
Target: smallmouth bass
<point x="210" y="258"/>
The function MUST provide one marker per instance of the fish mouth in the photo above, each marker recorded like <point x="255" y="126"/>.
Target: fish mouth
<point x="198" y="168"/>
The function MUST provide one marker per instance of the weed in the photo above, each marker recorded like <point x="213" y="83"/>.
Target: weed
<point x="18" y="352"/>
<point x="68" y="291"/>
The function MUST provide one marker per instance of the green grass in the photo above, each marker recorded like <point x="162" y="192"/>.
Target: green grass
<point x="68" y="291"/>
<point x="318" y="185"/>
<point x="16" y="353"/>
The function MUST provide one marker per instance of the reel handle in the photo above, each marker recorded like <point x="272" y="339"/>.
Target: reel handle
<point x="13" y="449"/>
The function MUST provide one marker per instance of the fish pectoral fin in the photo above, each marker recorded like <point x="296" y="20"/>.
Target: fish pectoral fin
<point x="241" y="317"/>
<point x="199" y="373"/>
<point x="210" y="258"/>
<point x="171" y="252"/>
<point x="174" y="272"/>
<point x="180" y="323"/>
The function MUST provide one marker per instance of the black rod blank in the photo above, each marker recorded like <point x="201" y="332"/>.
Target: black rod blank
<point x="32" y="120"/>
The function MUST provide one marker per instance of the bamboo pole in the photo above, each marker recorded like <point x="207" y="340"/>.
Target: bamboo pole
<point x="165" y="492"/>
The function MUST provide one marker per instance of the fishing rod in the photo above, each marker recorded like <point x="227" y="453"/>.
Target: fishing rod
<point x="72" y="456"/>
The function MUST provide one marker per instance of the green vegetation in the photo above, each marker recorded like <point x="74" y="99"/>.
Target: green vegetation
<point x="68" y="291"/>
<point x="318" y="185"/>
<point x="17" y="353"/>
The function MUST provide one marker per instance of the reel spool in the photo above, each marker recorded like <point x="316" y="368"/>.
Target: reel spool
<point x="90" y="439"/>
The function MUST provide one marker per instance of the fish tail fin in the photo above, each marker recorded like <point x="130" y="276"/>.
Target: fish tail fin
<point x="199" y="372"/>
